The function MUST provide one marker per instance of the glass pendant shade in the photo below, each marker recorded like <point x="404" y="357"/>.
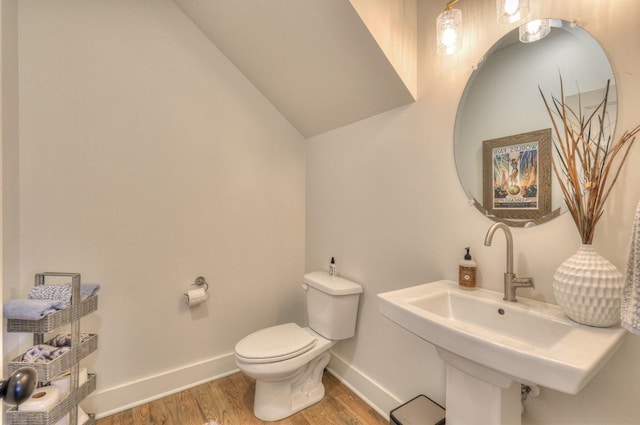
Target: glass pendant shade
<point x="449" y="31"/>
<point x="534" y="30"/>
<point x="510" y="11"/>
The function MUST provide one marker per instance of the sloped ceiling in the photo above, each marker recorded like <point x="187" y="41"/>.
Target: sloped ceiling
<point x="315" y="60"/>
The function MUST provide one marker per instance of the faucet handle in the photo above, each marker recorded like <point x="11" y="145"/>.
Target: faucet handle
<point x="524" y="282"/>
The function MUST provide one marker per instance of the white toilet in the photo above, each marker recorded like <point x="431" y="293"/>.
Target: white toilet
<point x="287" y="360"/>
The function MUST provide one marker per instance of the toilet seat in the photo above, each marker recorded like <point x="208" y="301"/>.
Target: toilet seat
<point x="274" y="344"/>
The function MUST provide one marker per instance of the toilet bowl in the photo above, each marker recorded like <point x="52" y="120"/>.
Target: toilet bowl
<point x="287" y="361"/>
<point x="290" y="379"/>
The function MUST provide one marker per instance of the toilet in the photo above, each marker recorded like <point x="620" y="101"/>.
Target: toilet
<point x="287" y="361"/>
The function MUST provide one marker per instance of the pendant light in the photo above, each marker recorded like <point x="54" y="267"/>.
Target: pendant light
<point x="449" y="24"/>
<point x="449" y="30"/>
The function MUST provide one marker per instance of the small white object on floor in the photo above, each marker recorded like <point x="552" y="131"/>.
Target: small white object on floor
<point x="213" y="422"/>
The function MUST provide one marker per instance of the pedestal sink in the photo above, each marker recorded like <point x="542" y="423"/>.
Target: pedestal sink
<point x="491" y="346"/>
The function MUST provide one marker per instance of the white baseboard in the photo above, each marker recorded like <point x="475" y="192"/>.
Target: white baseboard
<point x="108" y="401"/>
<point x="372" y="393"/>
<point x="116" y="399"/>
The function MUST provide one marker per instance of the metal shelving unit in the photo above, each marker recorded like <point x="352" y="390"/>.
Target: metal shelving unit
<point x="68" y="361"/>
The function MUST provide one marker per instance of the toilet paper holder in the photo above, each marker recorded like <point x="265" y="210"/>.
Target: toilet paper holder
<point x="200" y="280"/>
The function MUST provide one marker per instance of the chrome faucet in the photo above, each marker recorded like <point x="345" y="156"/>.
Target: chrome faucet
<point x="511" y="282"/>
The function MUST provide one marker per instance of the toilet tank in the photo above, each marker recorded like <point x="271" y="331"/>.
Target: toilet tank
<point x="332" y="304"/>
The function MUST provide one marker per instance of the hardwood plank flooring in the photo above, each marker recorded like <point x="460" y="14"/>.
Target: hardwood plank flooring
<point x="229" y="400"/>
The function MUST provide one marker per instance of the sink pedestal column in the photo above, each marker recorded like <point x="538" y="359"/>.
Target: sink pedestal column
<point x="477" y="395"/>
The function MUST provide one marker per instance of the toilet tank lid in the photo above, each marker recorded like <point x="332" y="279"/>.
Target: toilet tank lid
<point x="332" y="285"/>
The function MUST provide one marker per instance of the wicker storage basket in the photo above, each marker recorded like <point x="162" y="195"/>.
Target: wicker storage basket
<point x="52" y="321"/>
<point x="16" y="417"/>
<point x="49" y="370"/>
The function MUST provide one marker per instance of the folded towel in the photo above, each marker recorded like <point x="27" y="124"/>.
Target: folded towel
<point x="42" y="353"/>
<point x="62" y="292"/>
<point x="51" y="292"/>
<point x="630" y="309"/>
<point x="64" y="340"/>
<point x="31" y="309"/>
<point x="88" y="289"/>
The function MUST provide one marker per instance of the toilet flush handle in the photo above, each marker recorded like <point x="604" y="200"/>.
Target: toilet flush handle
<point x="305" y="286"/>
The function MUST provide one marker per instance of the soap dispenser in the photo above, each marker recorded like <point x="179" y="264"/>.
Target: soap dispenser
<point x="467" y="272"/>
<point x="332" y="268"/>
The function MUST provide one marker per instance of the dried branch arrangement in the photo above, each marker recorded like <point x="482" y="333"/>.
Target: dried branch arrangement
<point x="587" y="161"/>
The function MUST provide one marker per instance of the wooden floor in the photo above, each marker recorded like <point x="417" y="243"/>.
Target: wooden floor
<point x="230" y="401"/>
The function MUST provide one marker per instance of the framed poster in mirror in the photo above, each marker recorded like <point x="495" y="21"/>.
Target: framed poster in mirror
<point x="517" y="175"/>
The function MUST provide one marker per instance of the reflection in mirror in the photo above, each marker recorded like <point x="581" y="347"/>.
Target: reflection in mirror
<point x="502" y="99"/>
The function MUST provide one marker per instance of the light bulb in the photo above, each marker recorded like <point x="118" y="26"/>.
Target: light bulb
<point x="449" y="37"/>
<point x="532" y="26"/>
<point x="534" y="30"/>
<point x="510" y="11"/>
<point x="511" y="6"/>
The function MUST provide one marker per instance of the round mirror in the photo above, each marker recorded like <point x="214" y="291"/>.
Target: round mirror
<point x="502" y="135"/>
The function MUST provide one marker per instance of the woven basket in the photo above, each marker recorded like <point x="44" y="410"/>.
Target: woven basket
<point x="49" y="370"/>
<point x="55" y="320"/>
<point x="16" y="417"/>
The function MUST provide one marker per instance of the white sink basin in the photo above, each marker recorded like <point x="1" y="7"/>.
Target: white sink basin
<point x="529" y="341"/>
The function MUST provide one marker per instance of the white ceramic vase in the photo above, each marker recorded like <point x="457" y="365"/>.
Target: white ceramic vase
<point x="588" y="288"/>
